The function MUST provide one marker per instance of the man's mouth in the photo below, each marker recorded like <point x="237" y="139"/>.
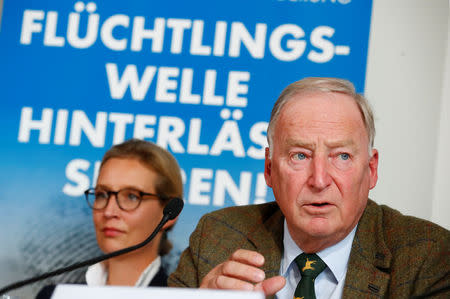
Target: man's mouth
<point x="322" y="204"/>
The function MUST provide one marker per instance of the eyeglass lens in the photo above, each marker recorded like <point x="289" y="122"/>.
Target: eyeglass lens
<point x="127" y="199"/>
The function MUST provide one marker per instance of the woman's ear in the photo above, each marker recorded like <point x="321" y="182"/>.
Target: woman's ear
<point x="169" y="224"/>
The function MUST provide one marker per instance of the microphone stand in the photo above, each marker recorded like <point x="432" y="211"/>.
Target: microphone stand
<point x="168" y="215"/>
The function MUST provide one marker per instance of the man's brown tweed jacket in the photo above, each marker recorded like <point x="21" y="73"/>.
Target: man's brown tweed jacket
<point x="393" y="256"/>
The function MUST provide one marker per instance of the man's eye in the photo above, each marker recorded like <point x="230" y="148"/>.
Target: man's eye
<point x="299" y="156"/>
<point x="344" y="156"/>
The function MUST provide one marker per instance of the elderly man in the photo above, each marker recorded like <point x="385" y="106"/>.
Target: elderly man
<point x="323" y="237"/>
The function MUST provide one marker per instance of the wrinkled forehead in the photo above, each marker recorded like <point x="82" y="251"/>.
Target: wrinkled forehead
<point x="320" y="112"/>
<point x="322" y="104"/>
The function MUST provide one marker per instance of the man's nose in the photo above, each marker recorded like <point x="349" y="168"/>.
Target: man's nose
<point x="319" y="178"/>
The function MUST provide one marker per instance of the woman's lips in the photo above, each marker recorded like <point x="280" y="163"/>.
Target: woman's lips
<point x="111" y="232"/>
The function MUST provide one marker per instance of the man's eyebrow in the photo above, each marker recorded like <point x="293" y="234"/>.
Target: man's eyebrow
<point x="299" y="143"/>
<point x="340" y="143"/>
<point x="311" y="145"/>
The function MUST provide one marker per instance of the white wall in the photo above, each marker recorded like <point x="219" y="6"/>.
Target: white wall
<point x="405" y="84"/>
<point x="441" y="203"/>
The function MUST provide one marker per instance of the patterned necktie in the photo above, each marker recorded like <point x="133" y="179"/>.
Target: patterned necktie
<point x="310" y="266"/>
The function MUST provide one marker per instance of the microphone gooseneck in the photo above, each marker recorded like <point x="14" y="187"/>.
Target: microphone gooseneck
<point x="170" y="212"/>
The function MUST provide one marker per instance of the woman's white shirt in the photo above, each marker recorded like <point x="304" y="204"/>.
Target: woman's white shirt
<point x="97" y="274"/>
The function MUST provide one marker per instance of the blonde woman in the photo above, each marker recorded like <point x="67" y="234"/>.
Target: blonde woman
<point x="136" y="180"/>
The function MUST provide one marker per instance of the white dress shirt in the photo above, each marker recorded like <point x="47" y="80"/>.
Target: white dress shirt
<point x="97" y="274"/>
<point x="329" y="283"/>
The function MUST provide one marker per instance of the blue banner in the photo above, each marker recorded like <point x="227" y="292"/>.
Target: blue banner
<point x="196" y="77"/>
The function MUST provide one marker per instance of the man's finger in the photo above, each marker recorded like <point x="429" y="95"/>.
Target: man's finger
<point x="239" y="272"/>
<point x="242" y="271"/>
<point x="271" y="286"/>
<point x="230" y="283"/>
<point x="248" y="257"/>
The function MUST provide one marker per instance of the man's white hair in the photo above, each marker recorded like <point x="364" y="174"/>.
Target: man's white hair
<point x="325" y="85"/>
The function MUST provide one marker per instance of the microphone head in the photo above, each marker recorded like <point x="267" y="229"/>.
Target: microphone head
<point x="173" y="208"/>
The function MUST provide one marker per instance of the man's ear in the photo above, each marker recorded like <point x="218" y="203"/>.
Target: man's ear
<point x="373" y="168"/>
<point x="268" y="168"/>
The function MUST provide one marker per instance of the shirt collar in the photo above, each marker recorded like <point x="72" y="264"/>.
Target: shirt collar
<point x="336" y="257"/>
<point x="97" y="274"/>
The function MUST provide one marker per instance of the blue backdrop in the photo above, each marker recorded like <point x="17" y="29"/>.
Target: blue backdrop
<point x="197" y="77"/>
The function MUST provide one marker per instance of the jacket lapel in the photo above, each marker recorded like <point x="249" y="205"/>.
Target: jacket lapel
<point x="267" y="237"/>
<point x="370" y="259"/>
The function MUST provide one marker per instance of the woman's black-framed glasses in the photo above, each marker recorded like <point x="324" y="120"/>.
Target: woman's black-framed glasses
<point x="127" y="199"/>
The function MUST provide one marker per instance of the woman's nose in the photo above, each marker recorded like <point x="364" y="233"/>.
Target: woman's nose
<point x="111" y="209"/>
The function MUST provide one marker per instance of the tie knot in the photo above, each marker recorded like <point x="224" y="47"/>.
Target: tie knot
<point x="310" y="264"/>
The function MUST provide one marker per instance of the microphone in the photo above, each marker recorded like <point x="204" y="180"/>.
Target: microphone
<point x="170" y="212"/>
